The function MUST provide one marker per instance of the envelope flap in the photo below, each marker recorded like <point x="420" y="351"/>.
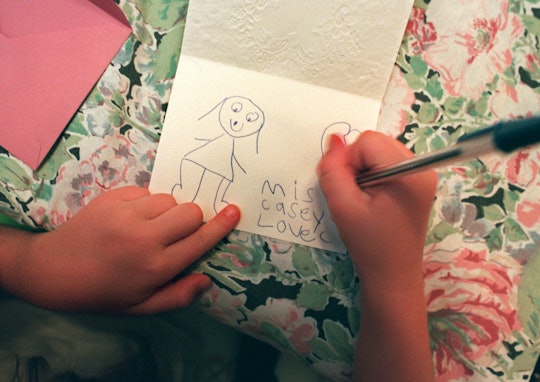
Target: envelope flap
<point x="29" y="17"/>
<point x="110" y="8"/>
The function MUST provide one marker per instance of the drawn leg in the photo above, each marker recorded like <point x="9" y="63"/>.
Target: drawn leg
<point x="209" y="188"/>
<point x="220" y="202"/>
<point x="191" y="177"/>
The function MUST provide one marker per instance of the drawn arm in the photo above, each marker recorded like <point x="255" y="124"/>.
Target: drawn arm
<point x="235" y="160"/>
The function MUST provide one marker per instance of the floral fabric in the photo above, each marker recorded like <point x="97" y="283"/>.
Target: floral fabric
<point x="462" y="65"/>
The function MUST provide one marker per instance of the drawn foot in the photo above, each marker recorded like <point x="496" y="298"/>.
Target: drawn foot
<point x="219" y="205"/>
<point x="176" y="191"/>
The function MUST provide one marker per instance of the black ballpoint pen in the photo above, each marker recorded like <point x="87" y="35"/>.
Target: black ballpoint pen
<point x="503" y="136"/>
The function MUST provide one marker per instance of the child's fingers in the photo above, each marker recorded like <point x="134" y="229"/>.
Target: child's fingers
<point x="153" y="205"/>
<point x="374" y="150"/>
<point x="128" y="193"/>
<point x="177" y="222"/>
<point x="175" y="295"/>
<point x="337" y="177"/>
<point x="334" y="166"/>
<point x="186" y="251"/>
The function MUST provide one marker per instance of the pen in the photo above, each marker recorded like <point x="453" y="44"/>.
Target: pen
<point x="503" y="136"/>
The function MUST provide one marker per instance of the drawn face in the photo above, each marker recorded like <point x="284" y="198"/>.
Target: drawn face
<point x="240" y="117"/>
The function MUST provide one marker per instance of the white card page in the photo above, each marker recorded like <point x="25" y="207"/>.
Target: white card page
<point x="258" y="89"/>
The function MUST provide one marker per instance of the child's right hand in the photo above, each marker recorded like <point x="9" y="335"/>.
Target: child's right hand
<point x="384" y="229"/>
<point x="383" y="226"/>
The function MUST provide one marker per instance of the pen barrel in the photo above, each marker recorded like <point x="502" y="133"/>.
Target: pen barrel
<point x="511" y="135"/>
<point x="410" y="166"/>
<point x="505" y="137"/>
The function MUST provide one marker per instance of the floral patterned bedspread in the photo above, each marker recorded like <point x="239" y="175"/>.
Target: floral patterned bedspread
<point x="463" y="65"/>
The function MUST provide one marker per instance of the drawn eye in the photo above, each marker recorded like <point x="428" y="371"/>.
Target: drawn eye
<point x="251" y="117"/>
<point x="236" y="107"/>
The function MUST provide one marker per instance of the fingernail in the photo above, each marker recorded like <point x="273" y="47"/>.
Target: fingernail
<point x="231" y="211"/>
<point x="332" y="142"/>
<point x="202" y="288"/>
<point x="205" y="285"/>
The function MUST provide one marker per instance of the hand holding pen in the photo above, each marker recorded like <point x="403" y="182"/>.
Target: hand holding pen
<point x="384" y="229"/>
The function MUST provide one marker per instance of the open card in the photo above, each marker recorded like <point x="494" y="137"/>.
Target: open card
<point x="258" y="89"/>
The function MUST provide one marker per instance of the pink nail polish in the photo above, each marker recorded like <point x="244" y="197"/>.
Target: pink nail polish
<point x="332" y="142"/>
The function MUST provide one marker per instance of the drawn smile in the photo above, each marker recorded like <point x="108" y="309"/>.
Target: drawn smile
<point x="235" y="126"/>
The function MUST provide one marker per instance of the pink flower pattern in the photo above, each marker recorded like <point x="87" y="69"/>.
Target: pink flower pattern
<point x="471" y="297"/>
<point x="398" y="99"/>
<point x="521" y="168"/>
<point x="290" y="318"/>
<point x="528" y="213"/>
<point x="475" y="40"/>
<point x="424" y="33"/>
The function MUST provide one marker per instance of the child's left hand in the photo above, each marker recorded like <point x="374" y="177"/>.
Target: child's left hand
<point x="119" y="254"/>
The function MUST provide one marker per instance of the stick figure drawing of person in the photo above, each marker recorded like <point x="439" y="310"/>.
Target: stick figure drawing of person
<point x="211" y="165"/>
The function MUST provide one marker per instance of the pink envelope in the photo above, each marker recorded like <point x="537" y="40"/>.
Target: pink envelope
<point x="52" y="52"/>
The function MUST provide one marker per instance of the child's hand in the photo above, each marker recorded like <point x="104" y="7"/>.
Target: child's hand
<point x="384" y="229"/>
<point x="383" y="226"/>
<point x="119" y="254"/>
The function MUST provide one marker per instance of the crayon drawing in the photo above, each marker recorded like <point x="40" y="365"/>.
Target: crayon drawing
<point x="238" y="117"/>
